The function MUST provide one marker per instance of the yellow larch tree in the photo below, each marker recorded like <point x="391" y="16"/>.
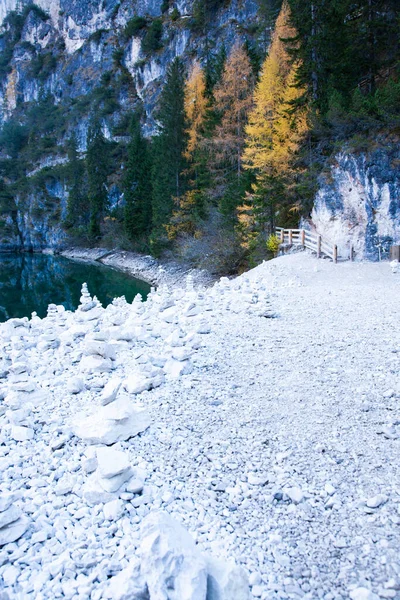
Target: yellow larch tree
<point x="195" y="107"/>
<point x="278" y="123"/>
<point x="233" y="101"/>
<point x="275" y="126"/>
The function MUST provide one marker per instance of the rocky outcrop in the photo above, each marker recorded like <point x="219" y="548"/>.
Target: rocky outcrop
<point x="83" y="38"/>
<point x="35" y="223"/>
<point x="83" y="56"/>
<point x="358" y="201"/>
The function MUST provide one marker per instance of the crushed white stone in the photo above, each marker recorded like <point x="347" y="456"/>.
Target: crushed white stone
<point x="273" y="441"/>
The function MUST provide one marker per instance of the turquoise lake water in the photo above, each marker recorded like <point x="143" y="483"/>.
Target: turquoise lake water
<point x="30" y="282"/>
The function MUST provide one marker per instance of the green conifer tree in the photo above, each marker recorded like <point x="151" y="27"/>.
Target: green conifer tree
<point x="137" y="184"/>
<point x="77" y="207"/>
<point x="97" y="165"/>
<point x="169" y="148"/>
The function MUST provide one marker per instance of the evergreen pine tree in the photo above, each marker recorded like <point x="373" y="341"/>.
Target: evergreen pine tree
<point x="77" y="207"/>
<point x="97" y="165"/>
<point x="137" y="184"/>
<point x="169" y="148"/>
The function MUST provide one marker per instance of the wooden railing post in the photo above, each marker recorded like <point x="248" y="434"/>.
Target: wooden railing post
<point x="352" y="253"/>
<point x="303" y="238"/>
<point x="335" y="253"/>
<point x="282" y="236"/>
<point x="290" y="237"/>
<point x="319" y="243"/>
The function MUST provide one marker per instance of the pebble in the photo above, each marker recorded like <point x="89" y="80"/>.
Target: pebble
<point x="295" y="494"/>
<point x="376" y="501"/>
<point x="257" y="591"/>
<point x="21" y="434"/>
<point x="255" y="579"/>
<point x="362" y="593"/>
<point x="10" y="575"/>
<point x="113" y="510"/>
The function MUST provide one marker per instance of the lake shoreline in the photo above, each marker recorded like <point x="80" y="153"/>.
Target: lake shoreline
<point x="143" y="267"/>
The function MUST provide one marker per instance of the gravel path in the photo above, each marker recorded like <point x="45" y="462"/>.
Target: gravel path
<point x="279" y="450"/>
<point x="306" y="403"/>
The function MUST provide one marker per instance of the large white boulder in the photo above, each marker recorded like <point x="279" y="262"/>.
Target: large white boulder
<point x="226" y="581"/>
<point x="128" y="584"/>
<point x="13" y="531"/>
<point x="115" y="422"/>
<point x="171" y="564"/>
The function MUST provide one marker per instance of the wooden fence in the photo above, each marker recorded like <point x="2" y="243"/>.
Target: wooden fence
<point x="312" y="241"/>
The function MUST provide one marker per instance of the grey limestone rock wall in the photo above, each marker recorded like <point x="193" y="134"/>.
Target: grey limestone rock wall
<point x="358" y="202"/>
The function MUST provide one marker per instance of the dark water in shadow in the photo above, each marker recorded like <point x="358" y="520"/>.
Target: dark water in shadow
<point x="30" y="282"/>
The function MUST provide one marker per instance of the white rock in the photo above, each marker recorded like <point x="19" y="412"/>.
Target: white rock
<point x="38" y="537"/>
<point x="257" y="591"/>
<point x="181" y="353"/>
<point x="21" y="434"/>
<point x="96" y="364"/>
<point x="10" y="515"/>
<point x="226" y="581"/>
<point x="363" y="593"/>
<point x="64" y="486"/>
<point x="257" y="479"/>
<point x="113" y="484"/>
<point x="110" y="391"/>
<point x="376" y="501"/>
<point x="24" y="386"/>
<point x="75" y="385"/>
<point x="175" y="368"/>
<point x="19" y="416"/>
<point x="89" y="465"/>
<point x="255" y="579"/>
<point x="15" y="400"/>
<point x="59" y="442"/>
<point x="137" y="383"/>
<point x="329" y="488"/>
<point x="135" y="485"/>
<point x="295" y="494"/>
<point x="93" y="493"/>
<point x="95" y="347"/>
<point x="113" y="510"/>
<point x="111" y="462"/>
<point x="128" y="584"/>
<point x="192" y="309"/>
<point x="169" y="315"/>
<point x="10" y="575"/>
<point x="7" y="499"/>
<point x="171" y="564"/>
<point x="18" y="367"/>
<point x="115" y="422"/>
<point x="12" y="532"/>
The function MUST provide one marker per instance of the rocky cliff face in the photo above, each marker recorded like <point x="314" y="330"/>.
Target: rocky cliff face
<point x="84" y="56"/>
<point x="358" y="201"/>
